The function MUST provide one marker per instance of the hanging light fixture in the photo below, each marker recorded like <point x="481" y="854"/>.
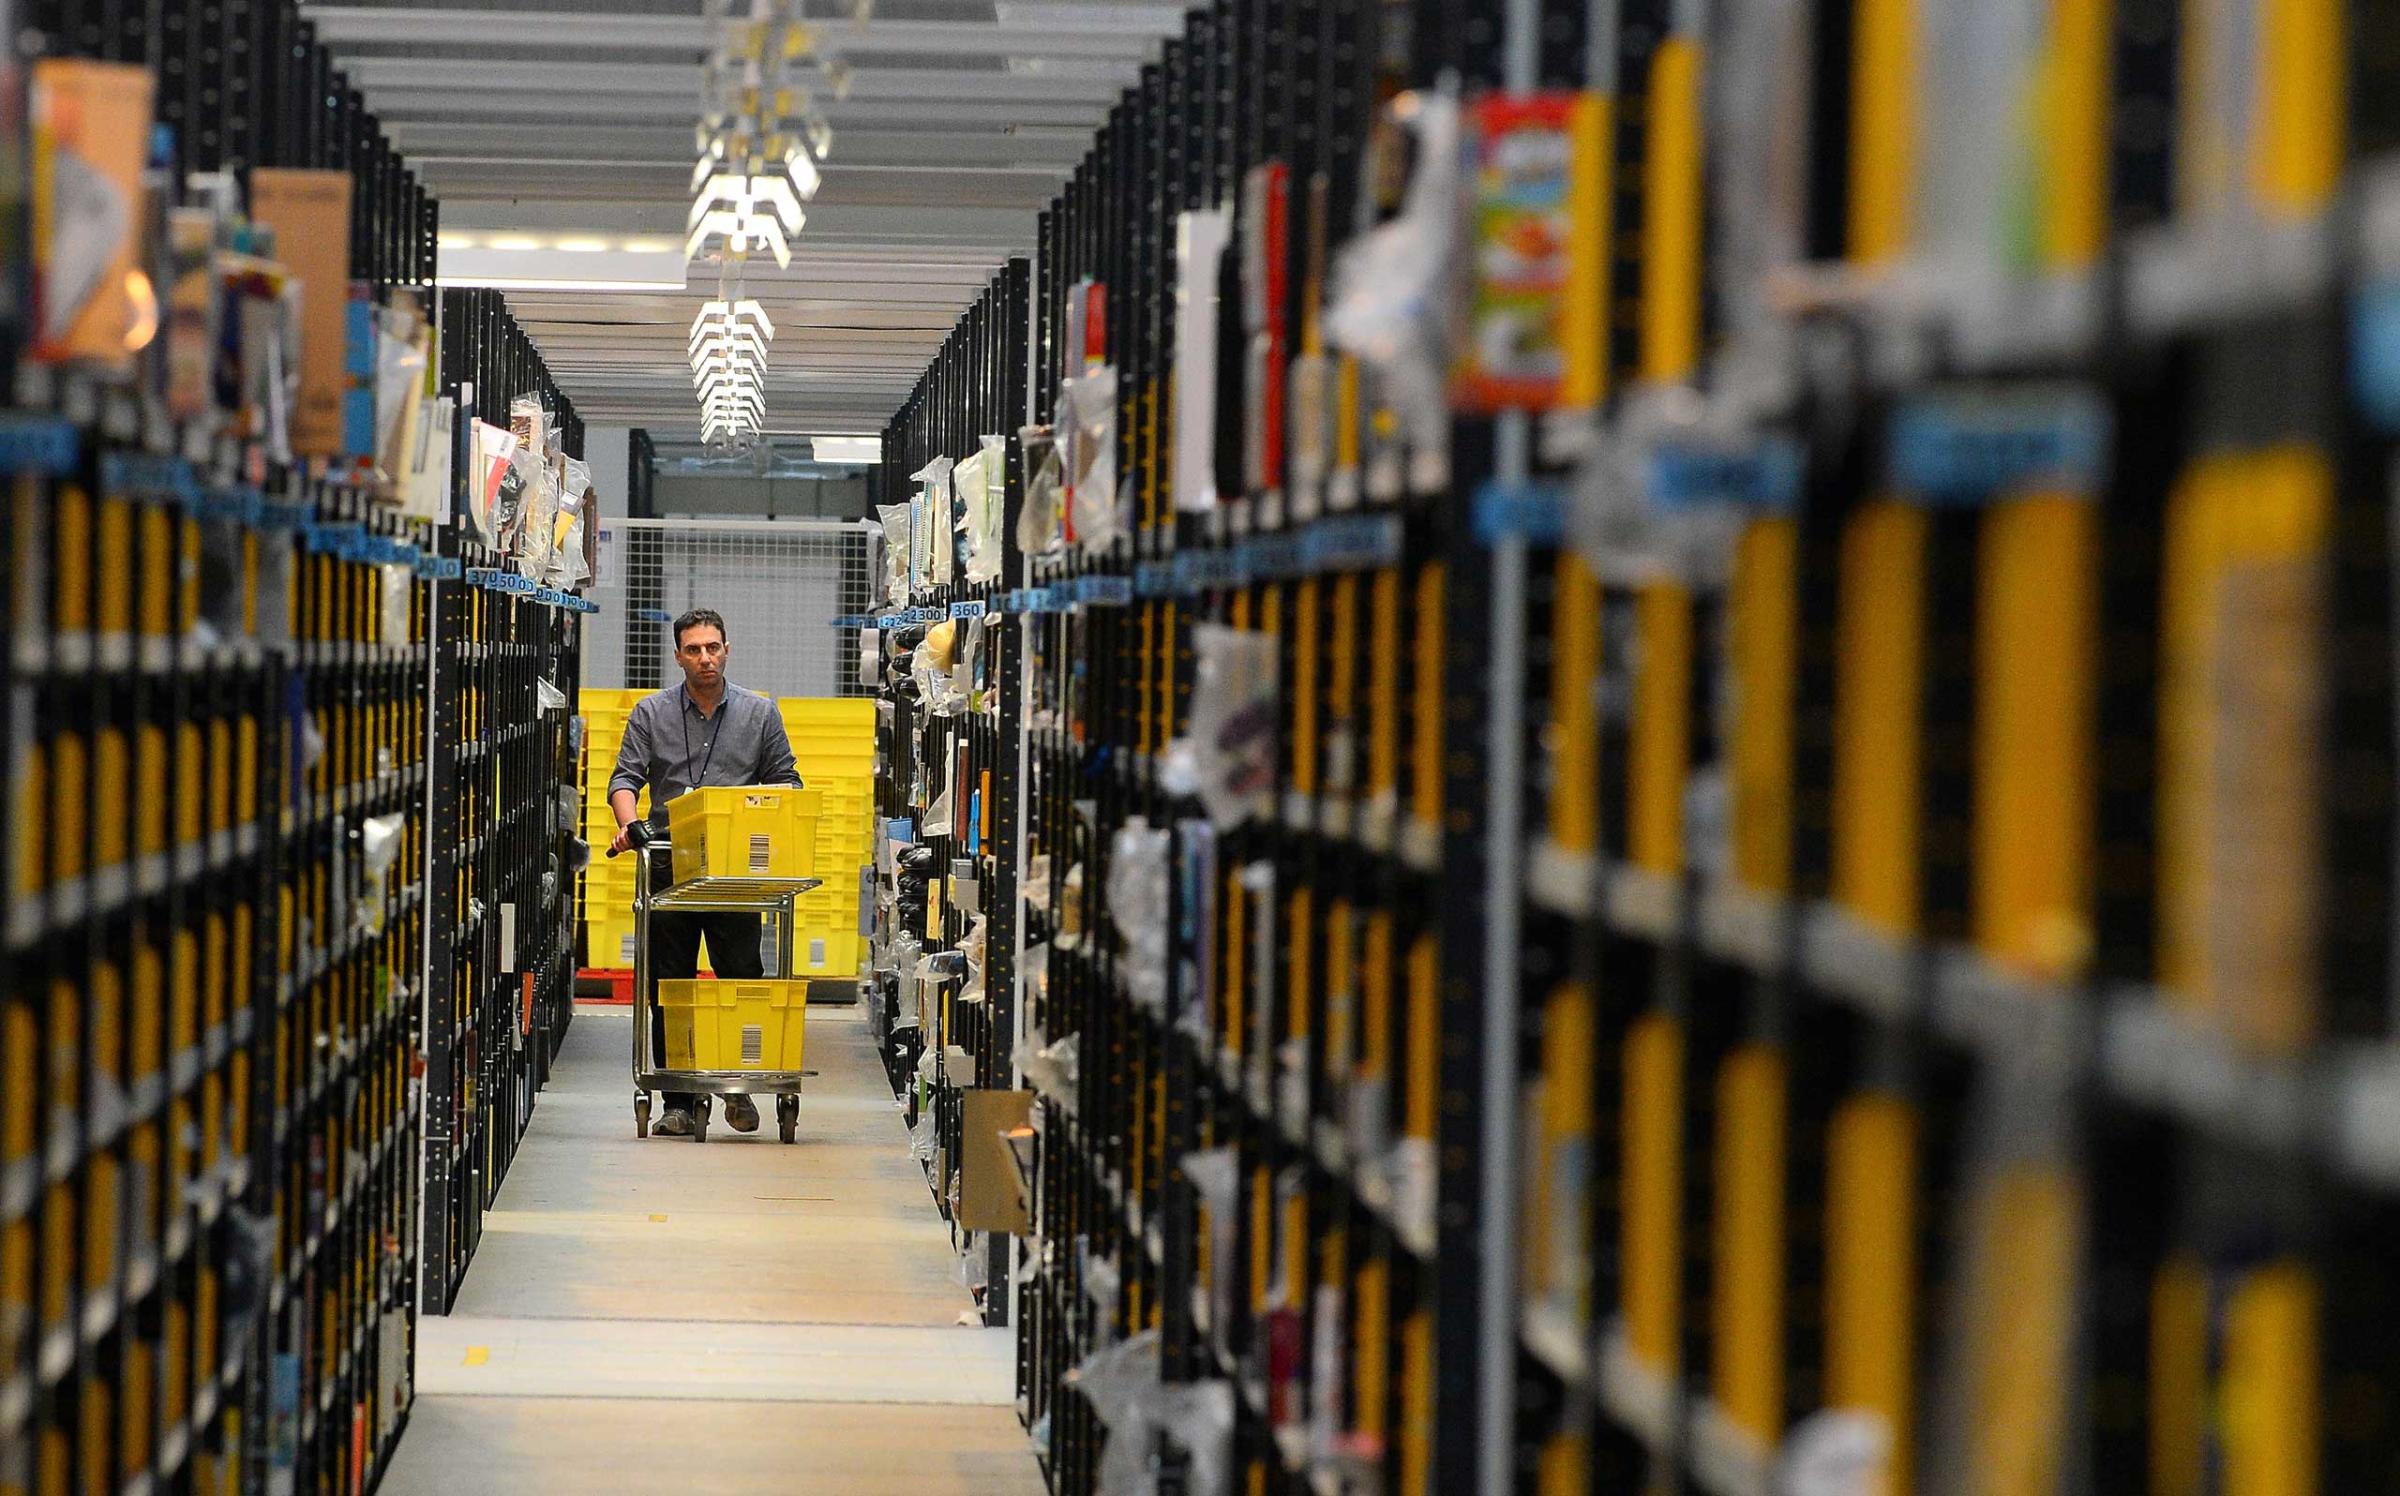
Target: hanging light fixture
<point x="758" y="145"/>
<point x="728" y="353"/>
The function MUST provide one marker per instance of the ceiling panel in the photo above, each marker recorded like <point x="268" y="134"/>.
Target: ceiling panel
<point x="543" y="124"/>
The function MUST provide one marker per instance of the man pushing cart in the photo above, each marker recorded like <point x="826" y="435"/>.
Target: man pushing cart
<point x="740" y="1034"/>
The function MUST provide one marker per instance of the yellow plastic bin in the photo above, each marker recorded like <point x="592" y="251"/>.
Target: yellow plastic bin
<point x="725" y="1023"/>
<point x="744" y="831"/>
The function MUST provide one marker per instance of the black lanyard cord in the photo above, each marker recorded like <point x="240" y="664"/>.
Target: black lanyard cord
<point x="715" y="732"/>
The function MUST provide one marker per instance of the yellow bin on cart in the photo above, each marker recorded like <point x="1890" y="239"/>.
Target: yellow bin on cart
<point x="744" y="831"/>
<point x="730" y="1023"/>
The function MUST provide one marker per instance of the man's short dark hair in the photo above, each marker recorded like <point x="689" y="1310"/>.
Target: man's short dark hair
<point x="701" y="617"/>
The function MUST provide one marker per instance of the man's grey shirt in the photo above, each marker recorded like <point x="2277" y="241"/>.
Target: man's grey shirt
<point x="671" y="747"/>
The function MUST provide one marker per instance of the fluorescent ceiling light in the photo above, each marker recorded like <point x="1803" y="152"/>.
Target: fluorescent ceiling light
<point x="848" y="448"/>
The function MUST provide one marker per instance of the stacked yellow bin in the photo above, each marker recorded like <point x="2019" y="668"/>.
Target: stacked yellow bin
<point x="833" y="747"/>
<point x="607" y="882"/>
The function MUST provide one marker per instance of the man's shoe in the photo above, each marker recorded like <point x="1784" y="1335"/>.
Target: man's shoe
<point x="741" y="1114"/>
<point x="677" y="1123"/>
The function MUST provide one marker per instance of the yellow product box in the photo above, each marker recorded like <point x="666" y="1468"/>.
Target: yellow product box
<point x="822" y="951"/>
<point x="607" y="941"/>
<point x="854" y="715"/>
<point x="723" y="1023"/>
<point x="744" y="831"/>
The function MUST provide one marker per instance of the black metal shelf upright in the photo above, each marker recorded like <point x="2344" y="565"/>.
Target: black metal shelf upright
<point x="503" y="821"/>
<point x="974" y="388"/>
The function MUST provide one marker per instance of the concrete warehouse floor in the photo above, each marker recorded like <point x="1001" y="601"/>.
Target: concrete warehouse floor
<point x="717" y="1319"/>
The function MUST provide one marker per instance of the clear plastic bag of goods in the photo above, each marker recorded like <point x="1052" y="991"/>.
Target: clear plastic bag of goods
<point x="895" y="518"/>
<point x="1039" y="529"/>
<point x="1394" y="292"/>
<point x="1228" y="759"/>
<point x="1138" y="881"/>
<point x="1093" y="508"/>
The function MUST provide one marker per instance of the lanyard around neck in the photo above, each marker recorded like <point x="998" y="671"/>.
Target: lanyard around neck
<point x="716" y="730"/>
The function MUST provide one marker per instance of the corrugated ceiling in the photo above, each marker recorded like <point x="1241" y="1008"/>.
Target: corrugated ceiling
<point x="575" y="119"/>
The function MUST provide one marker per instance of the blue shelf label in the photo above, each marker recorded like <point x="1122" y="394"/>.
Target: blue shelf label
<point x="240" y="503"/>
<point x="45" y="445"/>
<point x="150" y="476"/>
<point x="1104" y="591"/>
<point x="971" y="609"/>
<point x="343" y="540"/>
<point x="1764" y="473"/>
<point x="2375" y="353"/>
<point x="1530" y="511"/>
<point x="1970" y="446"/>
<point x="1153" y="579"/>
<point x="852" y="621"/>
<point x="1351" y="542"/>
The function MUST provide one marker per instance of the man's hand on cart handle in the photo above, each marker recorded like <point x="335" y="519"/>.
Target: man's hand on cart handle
<point x="621" y="803"/>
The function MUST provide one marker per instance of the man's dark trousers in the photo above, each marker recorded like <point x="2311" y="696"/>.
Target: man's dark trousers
<point x="675" y="955"/>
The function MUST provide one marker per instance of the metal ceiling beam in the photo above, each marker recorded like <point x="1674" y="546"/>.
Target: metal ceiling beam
<point x="1115" y="31"/>
<point x="406" y="107"/>
<point x="669" y="146"/>
<point x="387" y="78"/>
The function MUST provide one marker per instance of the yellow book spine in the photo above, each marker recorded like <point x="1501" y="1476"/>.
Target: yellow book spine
<point x="1877" y="698"/>
<point x="2036" y="624"/>
<point x="1658" y="757"/>
<point x="1425" y="725"/>
<point x="1383" y="688"/>
<point x="1762" y="624"/>
<point x="2075" y="145"/>
<point x="2272" y="1399"/>
<point x="1871" y="1268"/>
<point x="2178" y="1379"/>
<point x="1883" y="113"/>
<point x="1575" y="706"/>
<point x="1424" y="1027"/>
<point x="2301" y="104"/>
<point x="1307" y="665"/>
<point x="1673" y="213"/>
<point x="1653" y="1219"/>
<point x="1584" y="312"/>
<point x="1748" y="1225"/>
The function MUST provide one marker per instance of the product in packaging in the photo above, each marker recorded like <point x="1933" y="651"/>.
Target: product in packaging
<point x="1095" y="518"/>
<point x="1040" y="529"/>
<point x="309" y="213"/>
<point x="1391" y="301"/>
<point x="91" y="132"/>
<point x="1200" y="239"/>
<point x="981" y="483"/>
<point x="1533" y="326"/>
<point x="494" y="491"/>
<point x="1228" y="759"/>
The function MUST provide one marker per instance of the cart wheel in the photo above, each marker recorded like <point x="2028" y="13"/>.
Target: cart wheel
<point x="700" y="1114"/>
<point x="641" y="1114"/>
<point x="787" y="1117"/>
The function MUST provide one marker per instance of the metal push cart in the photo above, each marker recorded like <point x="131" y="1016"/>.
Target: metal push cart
<point x="771" y="897"/>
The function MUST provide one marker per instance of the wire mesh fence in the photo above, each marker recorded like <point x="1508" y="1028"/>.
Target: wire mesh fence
<point x="778" y="584"/>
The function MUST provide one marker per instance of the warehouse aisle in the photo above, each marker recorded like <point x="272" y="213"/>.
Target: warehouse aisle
<point x="733" y="1317"/>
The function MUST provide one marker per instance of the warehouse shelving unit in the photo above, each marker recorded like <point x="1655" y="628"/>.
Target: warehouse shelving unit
<point x="1895" y="914"/>
<point x="212" y="1003"/>
<point x="974" y="388"/>
<point x="505" y="812"/>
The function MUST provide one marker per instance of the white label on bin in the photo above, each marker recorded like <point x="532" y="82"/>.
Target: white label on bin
<point x="754" y="1045"/>
<point x="816" y="953"/>
<point x="761" y="857"/>
<point x="626" y="948"/>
